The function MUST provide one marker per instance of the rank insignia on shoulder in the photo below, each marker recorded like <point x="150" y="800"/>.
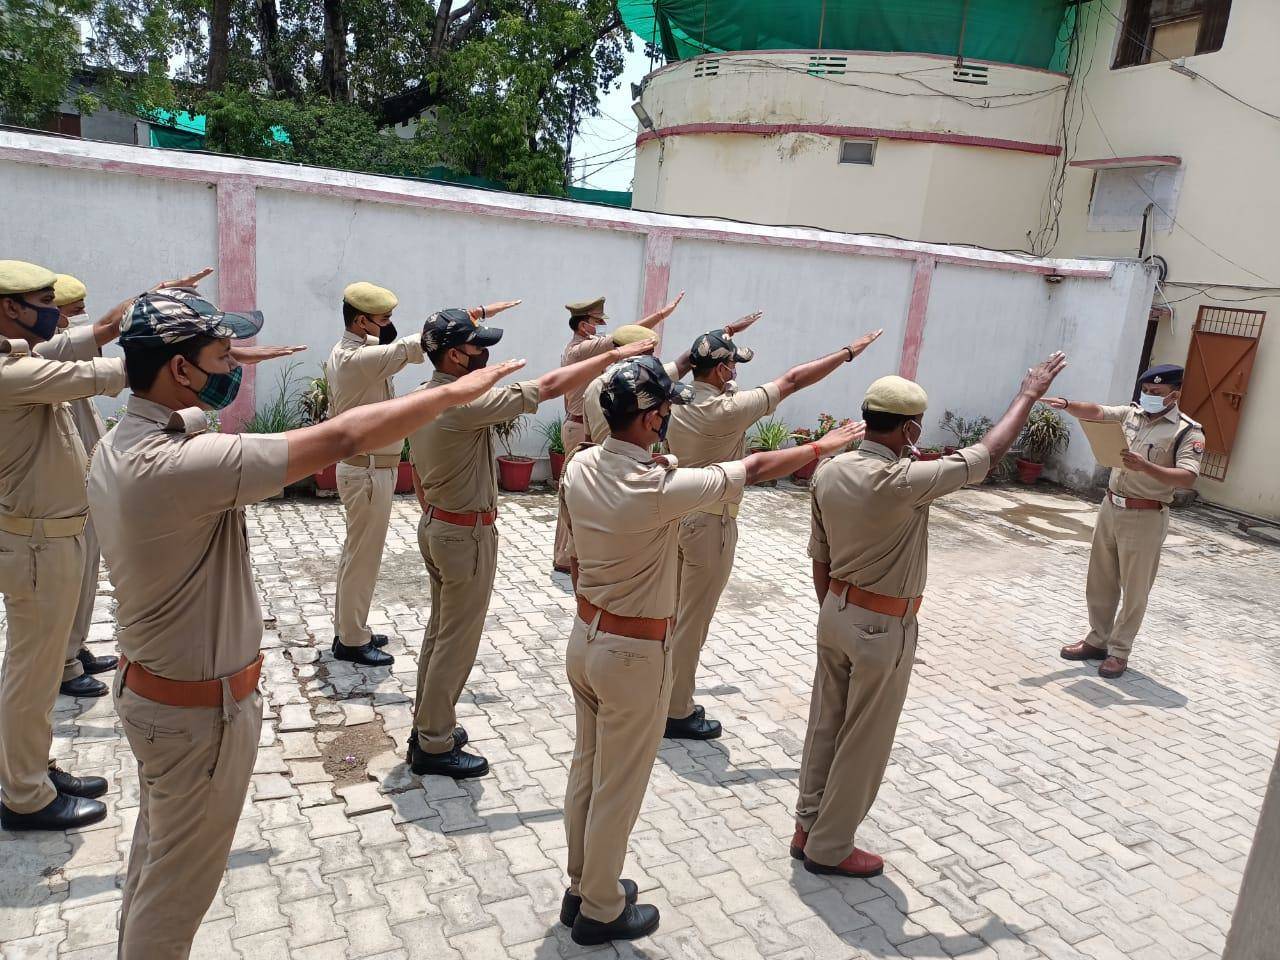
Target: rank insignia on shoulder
<point x="1197" y="446"/>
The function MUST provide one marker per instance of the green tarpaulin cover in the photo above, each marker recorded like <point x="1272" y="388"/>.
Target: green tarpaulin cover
<point x="1023" y="32"/>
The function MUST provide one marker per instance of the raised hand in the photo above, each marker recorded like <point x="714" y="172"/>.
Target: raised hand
<point x="478" y="381"/>
<point x="640" y="348"/>
<point x="670" y="308"/>
<point x="187" y="281"/>
<point x="864" y="341"/>
<point x="1040" y="377"/>
<point x="246" y="355"/>
<point x="838" y="439"/>
<point x="742" y="323"/>
<point x="1058" y="403"/>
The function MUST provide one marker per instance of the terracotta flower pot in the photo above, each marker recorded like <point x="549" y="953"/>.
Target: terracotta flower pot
<point x="926" y="455"/>
<point x="1029" y="471"/>
<point x="404" y="477"/>
<point x="805" y="473"/>
<point x="557" y="465"/>
<point x="948" y="451"/>
<point x="327" y="479"/>
<point x="515" y="473"/>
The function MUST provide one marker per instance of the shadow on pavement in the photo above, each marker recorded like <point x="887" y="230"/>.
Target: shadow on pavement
<point x="1133" y="689"/>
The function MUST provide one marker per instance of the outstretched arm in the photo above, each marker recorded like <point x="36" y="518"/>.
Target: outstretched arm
<point x="999" y="439"/>
<point x="1080" y="409"/>
<point x="807" y="374"/>
<point x="774" y="464"/>
<point x="655" y="318"/>
<point x="107" y="327"/>
<point x="377" y="425"/>
<point x="563" y="379"/>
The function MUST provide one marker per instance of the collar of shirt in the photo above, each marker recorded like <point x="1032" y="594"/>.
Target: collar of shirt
<point x="189" y="420"/>
<point x="358" y="339"/>
<point x="705" y="391"/>
<point x="873" y="449"/>
<point x="628" y="450"/>
<point x="439" y="377"/>
<point x="1171" y="414"/>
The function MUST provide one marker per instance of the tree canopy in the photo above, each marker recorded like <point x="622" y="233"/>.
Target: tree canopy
<point x="493" y="88"/>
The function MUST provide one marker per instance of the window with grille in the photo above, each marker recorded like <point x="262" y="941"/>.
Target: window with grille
<point x="858" y="151"/>
<point x="1154" y="31"/>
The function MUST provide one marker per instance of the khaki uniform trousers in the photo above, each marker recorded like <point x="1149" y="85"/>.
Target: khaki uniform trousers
<point x="40" y="579"/>
<point x="571" y="435"/>
<point x="707" y="546"/>
<point x="864" y="666"/>
<point x="194" y="766"/>
<point x="73" y="668"/>
<point x="461" y="562"/>
<point x="366" y="497"/>
<point x="1122" y="567"/>
<point x="620" y="691"/>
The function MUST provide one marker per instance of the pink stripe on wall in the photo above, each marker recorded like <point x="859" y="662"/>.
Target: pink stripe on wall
<point x="657" y="274"/>
<point x="917" y="311"/>
<point x="238" y="277"/>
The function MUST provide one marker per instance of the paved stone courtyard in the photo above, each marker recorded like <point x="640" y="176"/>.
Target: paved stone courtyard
<point x="1031" y="809"/>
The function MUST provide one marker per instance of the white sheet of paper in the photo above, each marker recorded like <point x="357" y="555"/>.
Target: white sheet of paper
<point x="1106" y="438"/>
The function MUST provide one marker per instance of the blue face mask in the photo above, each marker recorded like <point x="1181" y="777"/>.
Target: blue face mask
<point x="47" y="319"/>
<point x="1151" y="403"/>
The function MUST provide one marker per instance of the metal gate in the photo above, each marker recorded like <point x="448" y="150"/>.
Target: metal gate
<point x="1219" y="362"/>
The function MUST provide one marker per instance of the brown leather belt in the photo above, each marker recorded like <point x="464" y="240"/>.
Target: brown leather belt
<point x="462" y="519"/>
<point x="637" y="628"/>
<point x="576" y="418"/>
<point x="876" y="602"/>
<point x="189" y="693"/>
<point x="53" y="529"/>
<point x="1134" y="503"/>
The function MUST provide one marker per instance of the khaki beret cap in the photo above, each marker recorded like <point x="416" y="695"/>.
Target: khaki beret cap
<point x="584" y="307"/>
<point x="630" y="333"/>
<point x="896" y="395"/>
<point x="18" y="276"/>
<point x="67" y="289"/>
<point x="369" y="298"/>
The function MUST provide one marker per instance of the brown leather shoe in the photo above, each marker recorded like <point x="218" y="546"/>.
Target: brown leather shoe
<point x="1082" y="651"/>
<point x="798" y="840"/>
<point x="860" y="863"/>
<point x="1113" y="667"/>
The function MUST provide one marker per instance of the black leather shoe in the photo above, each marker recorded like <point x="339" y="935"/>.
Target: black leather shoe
<point x="367" y="655"/>
<point x="64" y="812"/>
<point x="87" y="787"/>
<point x="636" y="920"/>
<point x="570" y="905"/>
<point x="83" y="686"/>
<point x="94" y="664"/>
<point x="379" y="640"/>
<point x="460" y="739"/>
<point x="695" y="726"/>
<point x="454" y="763"/>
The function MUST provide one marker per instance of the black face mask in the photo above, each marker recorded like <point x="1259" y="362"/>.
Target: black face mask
<point x="387" y="333"/>
<point x="662" y="430"/>
<point x="478" y="361"/>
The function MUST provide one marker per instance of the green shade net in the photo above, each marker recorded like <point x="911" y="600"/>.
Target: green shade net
<point x="1023" y="32"/>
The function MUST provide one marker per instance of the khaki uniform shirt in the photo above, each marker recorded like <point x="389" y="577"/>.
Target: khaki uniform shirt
<point x="78" y="343"/>
<point x="1155" y="439"/>
<point x="360" y="371"/>
<point x="42" y="459"/>
<point x="871" y="514"/>
<point x="581" y="348"/>
<point x="597" y="426"/>
<point x="713" y="429"/>
<point x="624" y="510"/>
<point x="453" y="454"/>
<point x="168" y="502"/>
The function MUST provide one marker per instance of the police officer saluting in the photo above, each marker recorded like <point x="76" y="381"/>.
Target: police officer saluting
<point x="455" y="477"/>
<point x="711" y="429"/>
<point x="585" y="320"/>
<point x="169" y="499"/>
<point x="869" y="544"/>
<point x="624" y="505"/>
<point x="1165" y="450"/>
<point x="43" y="511"/>
<point x="360" y="370"/>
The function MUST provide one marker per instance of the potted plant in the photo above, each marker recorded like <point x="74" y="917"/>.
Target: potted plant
<point x="771" y="434"/>
<point x="404" y="471"/>
<point x="552" y="432"/>
<point x="826" y="423"/>
<point x="930" y="453"/>
<point x="966" y="431"/>
<point x="314" y="404"/>
<point x="514" y="473"/>
<point x="1044" y="435"/>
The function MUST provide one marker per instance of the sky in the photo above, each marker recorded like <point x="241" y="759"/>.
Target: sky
<point x="604" y="149"/>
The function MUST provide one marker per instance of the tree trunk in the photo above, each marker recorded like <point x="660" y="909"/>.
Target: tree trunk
<point x="441" y="30"/>
<point x="219" y="43"/>
<point x="333" y="62"/>
<point x="279" y="74"/>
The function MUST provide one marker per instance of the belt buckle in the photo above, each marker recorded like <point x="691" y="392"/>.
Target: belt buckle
<point x="1119" y="501"/>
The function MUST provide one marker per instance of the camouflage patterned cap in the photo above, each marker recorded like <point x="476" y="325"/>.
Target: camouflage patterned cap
<point x="716" y="346"/>
<point x="452" y="328"/>
<point x="174" y="314"/>
<point x="640" y="383"/>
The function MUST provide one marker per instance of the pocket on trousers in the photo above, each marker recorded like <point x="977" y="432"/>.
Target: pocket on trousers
<point x="17" y="570"/>
<point x="151" y="731"/>
<point x="628" y="658"/>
